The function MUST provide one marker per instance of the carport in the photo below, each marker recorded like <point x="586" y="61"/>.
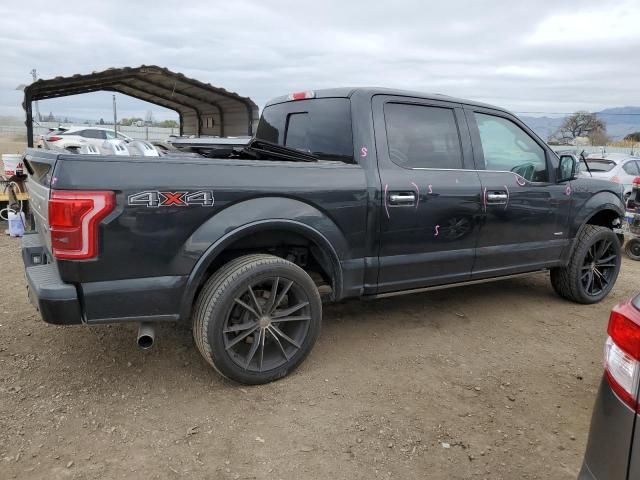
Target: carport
<point x="203" y="108"/>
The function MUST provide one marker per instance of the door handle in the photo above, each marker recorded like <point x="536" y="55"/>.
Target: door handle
<point x="497" y="198"/>
<point x="405" y="199"/>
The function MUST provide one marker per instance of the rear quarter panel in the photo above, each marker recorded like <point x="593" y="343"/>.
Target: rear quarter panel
<point x="139" y="241"/>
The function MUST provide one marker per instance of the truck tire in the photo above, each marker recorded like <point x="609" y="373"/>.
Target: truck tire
<point x="257" y="318"/>
<point x="592" y="269"/>
<point x="632" y="248"/>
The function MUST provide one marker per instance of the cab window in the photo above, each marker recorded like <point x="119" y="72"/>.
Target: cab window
<point x="321" y="126"/>
<point x="507" y="147"/>
<point x="421" y="136"/>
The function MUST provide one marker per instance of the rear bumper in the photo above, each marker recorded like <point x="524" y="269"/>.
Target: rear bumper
<point x="609" y="447"/>
<point x="56" y="301"/>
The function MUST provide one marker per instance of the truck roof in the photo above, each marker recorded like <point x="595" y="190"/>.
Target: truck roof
<point x="347" y="92"/>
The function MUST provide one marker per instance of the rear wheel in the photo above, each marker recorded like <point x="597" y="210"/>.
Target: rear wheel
<point x="632" y="248"/>
<point x="257" y="318"/>
<point x="593" y="268"/>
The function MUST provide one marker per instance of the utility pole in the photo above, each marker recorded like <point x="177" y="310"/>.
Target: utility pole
<point x="115" y="117"/>
<point x="34" y="74"/>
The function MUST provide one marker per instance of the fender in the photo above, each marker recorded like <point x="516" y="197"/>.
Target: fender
<point x="601" y="201"/>
<point x="253" y="216"/>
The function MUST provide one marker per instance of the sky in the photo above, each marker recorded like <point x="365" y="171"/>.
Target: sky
<point x="544" y="56"/>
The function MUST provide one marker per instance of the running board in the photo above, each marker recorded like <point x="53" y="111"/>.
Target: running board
<point x="451" y="285"/>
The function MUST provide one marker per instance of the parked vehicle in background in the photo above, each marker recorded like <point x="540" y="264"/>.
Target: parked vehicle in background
<point x="343" y="193"/>
<point x="613" y="448"/>
<point x="616" y="167"/>
<point x="74" y="138"/>
<point x="631" y="225"/>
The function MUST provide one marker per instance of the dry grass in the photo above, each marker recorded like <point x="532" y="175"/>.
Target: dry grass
<point x="12" y="143"/>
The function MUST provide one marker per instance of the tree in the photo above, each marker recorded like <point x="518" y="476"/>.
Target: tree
<point x="101" y="122"/>
<point x="167" y="124"/>
<point x="599" y="137"/>
<point x="633" y="137"/>
<point x="127" y="122"/>
<point x="581" y="124"/>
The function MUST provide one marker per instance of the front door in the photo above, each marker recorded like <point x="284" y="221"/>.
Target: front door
<point x="430" y="193"/>
<point x="525" y="221"/>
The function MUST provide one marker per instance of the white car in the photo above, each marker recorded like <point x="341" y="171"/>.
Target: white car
<point x="617" y="167"/>
<point x="74" y="138"/>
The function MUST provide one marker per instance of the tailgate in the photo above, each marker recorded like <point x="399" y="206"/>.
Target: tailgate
<point x="39" y="166"/>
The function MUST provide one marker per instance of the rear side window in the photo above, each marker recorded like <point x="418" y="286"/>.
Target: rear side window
<point x="631" y="168"/>
<point x="99" y="134"/>
<point x="422" y="137"/>
<point x="320" y="126"/>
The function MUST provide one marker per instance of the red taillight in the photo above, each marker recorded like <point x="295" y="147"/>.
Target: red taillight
<point x="636" y="181"/>
<point x="74" y="217"/>
<point x="301" y="95"/>
<point x="622" y="353"/>
<point x="53" y="139"/>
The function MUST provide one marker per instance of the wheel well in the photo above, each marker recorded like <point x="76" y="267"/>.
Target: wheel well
<point x="289" y="245"/>
<point x="604" y="218"/>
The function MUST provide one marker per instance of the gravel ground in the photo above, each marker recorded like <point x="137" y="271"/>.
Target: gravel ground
<point x="488" y="381"/>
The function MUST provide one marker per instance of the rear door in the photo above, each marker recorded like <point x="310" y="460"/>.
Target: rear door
<point x="630" y="170"/>
<point x="430" y="193"/>
<point x="526" y="213"/>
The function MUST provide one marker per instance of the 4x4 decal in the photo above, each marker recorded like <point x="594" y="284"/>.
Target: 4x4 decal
<point x="153" y="199"/>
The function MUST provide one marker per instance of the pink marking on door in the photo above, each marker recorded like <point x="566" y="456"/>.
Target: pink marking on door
<point x="567" y="191"/>
<point x="363" y="152"/>
<point x="430" y="189"/>
<point x="437" y="232"/>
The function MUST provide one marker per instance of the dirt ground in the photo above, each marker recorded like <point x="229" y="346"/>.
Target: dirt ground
<point x="490" y="381"/>
<point x="11" y="143"/>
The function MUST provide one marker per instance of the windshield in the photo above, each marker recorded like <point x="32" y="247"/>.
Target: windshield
<point x="320" y="126"/>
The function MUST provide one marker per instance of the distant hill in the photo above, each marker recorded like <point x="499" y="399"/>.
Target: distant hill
<point x="620" y="122"/>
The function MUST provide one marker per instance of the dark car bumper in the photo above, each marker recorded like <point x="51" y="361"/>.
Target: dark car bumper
<point x="56" y="301"/>
<point x="609" y="448"/>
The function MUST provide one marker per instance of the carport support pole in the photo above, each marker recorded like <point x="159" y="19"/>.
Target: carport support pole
<point x="115" y="117"/>
<point x="29" y="120"/>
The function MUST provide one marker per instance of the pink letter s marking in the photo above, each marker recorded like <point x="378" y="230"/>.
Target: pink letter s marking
<point x="363" y="152"/>
<point x="430" y="189"/>
<point x="437" y="232"/>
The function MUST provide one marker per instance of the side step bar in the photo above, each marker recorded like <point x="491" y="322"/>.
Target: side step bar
<point x="451" y="285"/>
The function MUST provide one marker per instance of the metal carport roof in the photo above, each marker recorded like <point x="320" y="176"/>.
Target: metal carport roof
<point x="203" y="108"/>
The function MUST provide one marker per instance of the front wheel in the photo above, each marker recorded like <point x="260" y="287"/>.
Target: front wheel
<point x="632" y="248"/>
<point x="257" y="318"/>
<point x="593" y="267"/>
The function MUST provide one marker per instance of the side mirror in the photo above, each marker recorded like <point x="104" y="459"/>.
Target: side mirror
<point x="567" y="168"/>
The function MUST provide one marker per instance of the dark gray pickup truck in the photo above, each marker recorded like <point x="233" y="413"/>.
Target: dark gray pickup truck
<point x="342" y="193"/>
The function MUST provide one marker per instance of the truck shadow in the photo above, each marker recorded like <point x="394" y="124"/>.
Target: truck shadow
<point x="109" y="354"/>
